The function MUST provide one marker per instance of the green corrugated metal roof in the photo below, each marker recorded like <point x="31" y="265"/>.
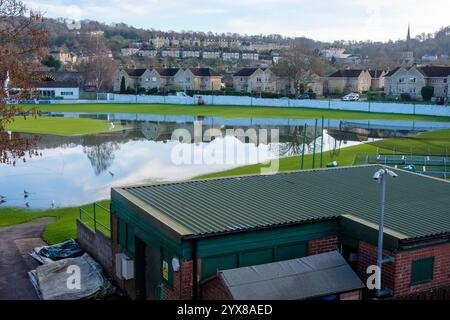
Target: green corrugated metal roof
<point x="416" y="206"/>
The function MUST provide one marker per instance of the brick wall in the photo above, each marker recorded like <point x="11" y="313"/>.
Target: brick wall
<point x="96" y="244"/>
<point x="182" y="288"/>
<point x="367" y="256"/>
<point x="323" y="245"/>
<point x="441" y="274"/>
<point x="397" y="276"/>
<point x="213" y="289"/>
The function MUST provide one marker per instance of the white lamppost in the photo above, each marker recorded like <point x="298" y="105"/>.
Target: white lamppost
<point x="380" y="176"/>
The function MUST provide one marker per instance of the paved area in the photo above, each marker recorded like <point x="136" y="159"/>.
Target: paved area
<point x="15" y="262"/>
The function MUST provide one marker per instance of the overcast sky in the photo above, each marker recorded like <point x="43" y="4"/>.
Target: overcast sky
<point x="318" y="19"/>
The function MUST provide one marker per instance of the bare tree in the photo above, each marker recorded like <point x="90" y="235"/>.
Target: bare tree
<point x="22" y="46"/>
<point x="299" y="67"/>
<point x="100" y="67"/>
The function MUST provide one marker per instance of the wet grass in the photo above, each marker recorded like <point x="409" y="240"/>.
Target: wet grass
<point x="434" y="142"/>
<point x="63" y="228"/>
<point x="58" y="126"/>
<point x="234" y="111"/>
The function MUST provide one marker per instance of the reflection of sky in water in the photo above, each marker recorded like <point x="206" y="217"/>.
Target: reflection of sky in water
<point x="67" y="176"/>
<point x="72" y="172"/>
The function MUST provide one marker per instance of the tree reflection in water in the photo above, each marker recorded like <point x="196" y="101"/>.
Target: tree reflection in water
<point x="100" y="152"/>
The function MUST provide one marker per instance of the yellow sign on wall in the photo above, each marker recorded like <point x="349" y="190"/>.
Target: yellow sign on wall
<point x="165" y="270"/>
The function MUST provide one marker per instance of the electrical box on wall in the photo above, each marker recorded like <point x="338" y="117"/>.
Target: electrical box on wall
<point x="127" y="268"/>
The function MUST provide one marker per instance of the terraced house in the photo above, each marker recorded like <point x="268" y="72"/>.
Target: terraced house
<point x="411" y="80"/>
<point x="165" y="79"/>
<point x="183" y="237"/>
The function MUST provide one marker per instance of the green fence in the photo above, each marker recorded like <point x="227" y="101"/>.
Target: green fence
<point x="98" y="219"/>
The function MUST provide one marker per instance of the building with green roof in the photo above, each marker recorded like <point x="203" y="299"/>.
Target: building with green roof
<point x="250" y="220"/>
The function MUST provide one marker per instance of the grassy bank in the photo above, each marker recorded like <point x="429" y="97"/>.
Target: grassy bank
<point x="435" y="142"/>
<point x="234" y="111"/>
<point x="58" y="126"/>
<point x="62" y="229"/>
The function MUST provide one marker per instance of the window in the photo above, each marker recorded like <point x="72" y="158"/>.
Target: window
<point x="422" y="271"/>
<point x="66" y="93"/>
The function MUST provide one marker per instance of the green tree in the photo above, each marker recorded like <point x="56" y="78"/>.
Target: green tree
<point x="427" y="93"/>
<point x="51" y="62"/>
<point x="123" y="88"/>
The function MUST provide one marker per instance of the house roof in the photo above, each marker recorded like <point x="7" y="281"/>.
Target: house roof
<point x="392" y="72"/>
<point x="55" y="84"/>
<point x="204" y="72"/>
<point x="376" y="73"/>
<point x="167" y="72"/>
<point x="435" y="71"/>
<point x="427" y="71"/>
<point x="305" y="278"/>
<point x="135" y="72"/>
<point x="416" y="205"/>
<point x="346" y="73"/>
<point x="246" y="72"/>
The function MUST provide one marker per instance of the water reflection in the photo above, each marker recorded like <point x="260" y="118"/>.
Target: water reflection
<point x="81" y="169"/>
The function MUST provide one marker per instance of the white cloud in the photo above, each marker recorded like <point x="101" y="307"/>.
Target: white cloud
<point x="207" y="11"/>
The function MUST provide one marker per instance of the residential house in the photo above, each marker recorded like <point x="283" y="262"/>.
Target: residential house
<point x="254" y="56"/>
<point x="151" y="53"/>
<point x="160" y="42"/>
<point x="211" y="54"/>
<point x="165" y="78"/>
<point x="62" y="54"/>
<point x="186" y="54"/>
<point x="377" y="79"/>
<point x="206" y="79"/>
<point x="428" y="58"/>
<point x="255" y="80"/>
<point x="228" y="56"/>
<point x="411" y="80"/>
<point x="348" y="80"/>
<point x="171" y="53"/>
<point x="133" y="78"/>
<point x="127" y="52"/>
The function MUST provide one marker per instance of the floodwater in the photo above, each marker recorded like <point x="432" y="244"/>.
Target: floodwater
<point x="151" y="148"/>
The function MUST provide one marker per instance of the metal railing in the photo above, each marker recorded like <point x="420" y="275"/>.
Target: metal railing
<point x="94" y="217"/>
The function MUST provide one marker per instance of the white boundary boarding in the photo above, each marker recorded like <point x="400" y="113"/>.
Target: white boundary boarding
<point x="374" y="107"/>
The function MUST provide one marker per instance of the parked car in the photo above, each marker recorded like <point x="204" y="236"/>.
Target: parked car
<point x="182" y="94"/>
<point x="351" y="97"/>
<point x="304" y="96"/>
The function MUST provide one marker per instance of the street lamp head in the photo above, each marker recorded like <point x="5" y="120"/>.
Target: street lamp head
<point x="378" y="175"/>
<point x="382" y="172"/>
<point x="392" y="173"/>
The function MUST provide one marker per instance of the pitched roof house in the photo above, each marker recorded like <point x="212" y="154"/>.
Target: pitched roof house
<point x="348" y="80"/>
<point x="411" y="80"/>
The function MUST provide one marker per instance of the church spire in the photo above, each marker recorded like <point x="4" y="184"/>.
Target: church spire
<point x="408" y="37"/>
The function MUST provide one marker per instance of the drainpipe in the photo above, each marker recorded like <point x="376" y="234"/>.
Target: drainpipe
<point x="194" y="271"/>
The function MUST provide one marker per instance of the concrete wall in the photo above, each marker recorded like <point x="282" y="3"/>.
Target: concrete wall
<point x="96" y="244"/>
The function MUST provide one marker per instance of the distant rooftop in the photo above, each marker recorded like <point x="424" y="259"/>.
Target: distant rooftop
<point x="417" y="206"/>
